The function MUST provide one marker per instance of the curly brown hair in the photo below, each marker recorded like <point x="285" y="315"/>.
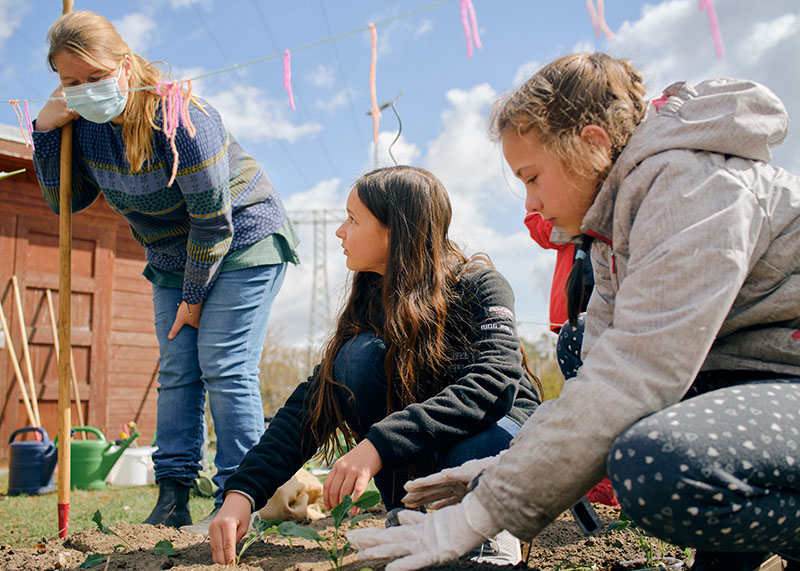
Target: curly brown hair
<point x="568" y="94"/>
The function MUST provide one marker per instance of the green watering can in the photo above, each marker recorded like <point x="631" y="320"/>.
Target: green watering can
<point x="91" y="459"/>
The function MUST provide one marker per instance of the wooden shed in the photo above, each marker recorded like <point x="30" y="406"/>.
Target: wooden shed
<point x="113" y="337"/>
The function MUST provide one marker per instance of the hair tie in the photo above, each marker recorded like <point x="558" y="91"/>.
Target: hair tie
<point x="24" y="120"/>
<point x="174" y="109"/>
<point x="467" y="18"/>
<point x="708" y="7"/>
<point x="580" y="255"/>
<point x="287" y="76"/>
<point x="376" y="112"/>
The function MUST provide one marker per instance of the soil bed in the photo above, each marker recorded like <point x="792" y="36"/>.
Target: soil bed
<point x="560" y="547"/>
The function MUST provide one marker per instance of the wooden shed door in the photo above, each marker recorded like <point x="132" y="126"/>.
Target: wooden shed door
<point x="36" y="267"/>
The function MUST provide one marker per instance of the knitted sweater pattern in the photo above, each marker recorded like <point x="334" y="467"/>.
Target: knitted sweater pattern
<point x="221" y="199"/>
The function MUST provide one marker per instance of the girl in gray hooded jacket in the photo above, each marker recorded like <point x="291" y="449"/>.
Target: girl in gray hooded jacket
<point x="689" y="393"/>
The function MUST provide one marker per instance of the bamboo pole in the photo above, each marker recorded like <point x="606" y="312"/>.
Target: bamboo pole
<point x="64" y="318"/>
<point x="73" y="376"/>
<point x="26" y="353"/>
<point x="17" y="372"/>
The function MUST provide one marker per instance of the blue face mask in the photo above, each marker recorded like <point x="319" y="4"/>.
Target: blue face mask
<point x="99" y="101"/>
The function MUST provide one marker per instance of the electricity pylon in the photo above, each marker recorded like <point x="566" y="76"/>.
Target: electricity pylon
<point x="319" y="314"/>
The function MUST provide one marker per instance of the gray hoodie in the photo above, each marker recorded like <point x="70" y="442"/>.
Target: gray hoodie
<point x="697" y="266"/>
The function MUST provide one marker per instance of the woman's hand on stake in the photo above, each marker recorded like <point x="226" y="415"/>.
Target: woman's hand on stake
<point x="228" y="527"/>
<point x="188" y="314"/>
<point x="446" y="487"/>
<point x="55" y="113"/>
<point x="351" y="474"/>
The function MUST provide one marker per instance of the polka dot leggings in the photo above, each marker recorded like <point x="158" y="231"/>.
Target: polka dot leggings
<point x="719" y="472"/>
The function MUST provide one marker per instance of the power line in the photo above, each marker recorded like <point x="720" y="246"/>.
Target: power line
<point x="300" y="101"/>
<point x="344" y="77"/>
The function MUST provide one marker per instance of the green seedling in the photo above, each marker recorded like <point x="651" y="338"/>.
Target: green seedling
<point x="163" y="547"/>
<point x="645" y="541"/>
<point x="261" y="528"/>
<point x="337" y="546"/>
<point x="333" y="548"/>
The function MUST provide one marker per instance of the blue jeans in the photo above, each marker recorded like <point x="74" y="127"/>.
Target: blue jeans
<point x="359" y="366"/>
<point x="220" y="358"/>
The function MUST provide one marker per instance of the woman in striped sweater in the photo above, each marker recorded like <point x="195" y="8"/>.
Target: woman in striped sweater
<point x="216" y="235"/>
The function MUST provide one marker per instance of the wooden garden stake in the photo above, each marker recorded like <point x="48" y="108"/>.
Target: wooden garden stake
<point x="17" y="372"/>
<point x="73" y="376"/>
<point x="26" y="353"/>
<point x="64" y="317"/>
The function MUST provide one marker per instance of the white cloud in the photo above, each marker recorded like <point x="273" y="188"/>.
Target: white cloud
<point x="250" y="114"/>
<point x="524" y="72"/>
<point x="424" y="28"/>
<point x="672" y="42"/>
<point x="404" y="153"/>
<point x="462" y="154"/>
<point x="322" y="76"/>
<point x="326" y="194"/>
<point x="177" y="4"/>
<point x="766" y="36"/>
<point x="137" y="30"/>
<point x="11" y="14"/>
<point x="336" y="101"/>
<point x="292" y="306"/>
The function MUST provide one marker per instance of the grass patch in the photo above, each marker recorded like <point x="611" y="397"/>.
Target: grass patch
<point x="26" y="519"/>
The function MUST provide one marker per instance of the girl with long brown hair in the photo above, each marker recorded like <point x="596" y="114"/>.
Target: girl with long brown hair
<point x="216" y="235"/>
<point x="423" y="371"/>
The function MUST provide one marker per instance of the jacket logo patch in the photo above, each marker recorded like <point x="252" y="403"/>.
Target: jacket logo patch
<point x="502" y="311"/>
<point x="796" y="334"/>
<point x="499" y="326"/>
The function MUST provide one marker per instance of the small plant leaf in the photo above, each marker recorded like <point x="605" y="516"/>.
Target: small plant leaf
<point x="367" y="500"/>
<point x="357" y="518"/>
<point x="266" y="525"/>
<point x="340" y="512"/>
<point x="98" y="519"/>
<point x="93" y="559"/>
<point x="164" y="547"/>
<point x="290" y="528"/>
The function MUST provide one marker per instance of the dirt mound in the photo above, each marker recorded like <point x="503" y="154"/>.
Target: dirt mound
<point x="560" y="546"/>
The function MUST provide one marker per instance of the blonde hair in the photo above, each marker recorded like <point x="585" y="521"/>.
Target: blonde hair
<point x="565" y="96"/>
<point x="93" y="39"/>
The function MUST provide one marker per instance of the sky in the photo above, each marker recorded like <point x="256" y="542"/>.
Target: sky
<point x="233" y="50"/>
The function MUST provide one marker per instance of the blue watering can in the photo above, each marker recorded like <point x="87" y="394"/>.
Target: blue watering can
<point x="31" y="464"/>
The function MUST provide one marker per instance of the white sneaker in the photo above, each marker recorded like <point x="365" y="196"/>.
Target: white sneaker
<point x="502" y="549"/>
<point x="201" y="527"/>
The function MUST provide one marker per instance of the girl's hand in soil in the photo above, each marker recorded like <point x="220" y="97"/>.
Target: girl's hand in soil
<point x="427" y="539"/>
<point x="228" y="527"/>
<point x="351" y="474"/>
<point x="448" y="486"/>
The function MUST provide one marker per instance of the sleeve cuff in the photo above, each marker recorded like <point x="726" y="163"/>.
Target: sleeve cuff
<point x="249" y="498"/>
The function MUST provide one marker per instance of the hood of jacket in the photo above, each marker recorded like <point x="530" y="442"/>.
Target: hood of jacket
<point x="727" y="116"/>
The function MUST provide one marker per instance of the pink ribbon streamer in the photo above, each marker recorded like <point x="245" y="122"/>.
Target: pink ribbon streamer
<point x="174" y="109"/>
<point x="287" y="76"/>
<point x="376" y="112"/>
<point x="24" y="127"/>
<point x="708" y="7"/>
<point x="29" y="124"/>
<point x="598" y="19"/>
<point x="468" y="19"/>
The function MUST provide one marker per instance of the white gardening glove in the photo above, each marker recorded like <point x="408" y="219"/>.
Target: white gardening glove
<point x="427" y="539"/>
<point x="448" y="486"/>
